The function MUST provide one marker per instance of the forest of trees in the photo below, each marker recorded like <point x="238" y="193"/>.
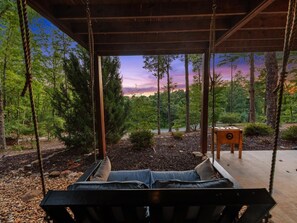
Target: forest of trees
<point x="243" y="97"/>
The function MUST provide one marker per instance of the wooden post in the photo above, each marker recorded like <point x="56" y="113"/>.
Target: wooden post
<point x="204" y="103"/>
<point x="99" y="105"/>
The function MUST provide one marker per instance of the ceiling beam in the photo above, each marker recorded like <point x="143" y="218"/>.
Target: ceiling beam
<point x="258" y="34"/>
<point x="252" y="43"/>
<point x="252" y="14"/>
<point x="185" y="25"/>
<point x="198" y="46"/>
<point x="156" y="10"/>
<point x="120" y="52"/>
<point x="150" y="46"/>
<point x="278" y="7"/>
<point x="148" y="10"/>
<point x="150" y="38"/>
<point x="266" y="21"/>
<point x="182" y="37"/>
<point x="154" y="26"/>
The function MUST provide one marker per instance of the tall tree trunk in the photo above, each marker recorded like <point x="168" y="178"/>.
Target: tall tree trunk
<point x="2" y="122"/>
<point x="158" y="102"/>
<point x="55" y="89"/>
<point x="200" y="98"/>
<point x="271" y="83"/>
<point x="252" y="112"/>
<point x="168" y="97"/>
<point x="3" y="87"/>
<point x="18" y="120"/>
<point x="5" y="61"/>
<point x="2" y="126"/>
<point x="64" y="61"/>
<point x="231" y="90"/>
<point x="187" y="93"/>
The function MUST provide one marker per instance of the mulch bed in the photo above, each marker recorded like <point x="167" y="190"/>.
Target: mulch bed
<point x="20" y="189"/>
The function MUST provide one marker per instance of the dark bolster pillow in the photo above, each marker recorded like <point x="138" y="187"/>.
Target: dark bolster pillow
<point x="115" y="185"/>
<point x="206" y="171"/>
<point x="188" y="175"/>
<point x="131" y="175"/>
<point x="218" y="183"/>
<point x="103" y="171"/>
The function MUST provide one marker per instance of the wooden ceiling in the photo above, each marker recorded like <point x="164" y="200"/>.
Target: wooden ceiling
<point x="151" y="27"/>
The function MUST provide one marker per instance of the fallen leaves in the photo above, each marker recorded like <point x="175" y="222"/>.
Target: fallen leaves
<point x="21" y="194"/>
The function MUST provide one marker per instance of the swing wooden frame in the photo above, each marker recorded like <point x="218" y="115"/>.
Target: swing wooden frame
<point x="255" y="202"/>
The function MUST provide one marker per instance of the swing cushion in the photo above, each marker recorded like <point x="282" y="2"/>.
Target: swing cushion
<point x="114" y="185"/>
<point x="103" y="171"/>
<point x="131" y="175"/>
<point x="218" y="183"/>
<point x="206" y="171"/>
<point x="188" y="175"/>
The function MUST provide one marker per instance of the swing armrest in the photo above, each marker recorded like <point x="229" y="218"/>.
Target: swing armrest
<point x="90" y="171"/>
<point x="225" y="174"/>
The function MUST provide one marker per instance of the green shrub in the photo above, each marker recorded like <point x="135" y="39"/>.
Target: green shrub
<point x="257" y="129"/>
<point x="290" y="133"/>
<point x="178" y="135"/>
<point x="230" y="118"/>
<point x="142" y="139"/>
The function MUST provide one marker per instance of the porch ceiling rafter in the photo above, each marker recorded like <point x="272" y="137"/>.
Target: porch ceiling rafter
<point x="129" y="27"/>
<point x="252" y="14"/>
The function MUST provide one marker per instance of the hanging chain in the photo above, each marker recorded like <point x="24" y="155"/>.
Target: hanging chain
<point x="288" y="41"/>
<point x="92" y="52"/>
<point x="23" y="18"/>
<point x="212" y="39"/>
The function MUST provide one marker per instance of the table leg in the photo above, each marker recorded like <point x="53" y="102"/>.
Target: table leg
<point x="218" y="150"/>
<point x="240" y="147"/>
<point x="232" y="148"/>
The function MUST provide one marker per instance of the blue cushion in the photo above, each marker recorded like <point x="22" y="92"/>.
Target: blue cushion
<point x="114" y="185"/>
<point x="109" y="212"/>
<point x="128" y="175"/>
<point x="218" y="183"/>
<point x="188" y="175"/>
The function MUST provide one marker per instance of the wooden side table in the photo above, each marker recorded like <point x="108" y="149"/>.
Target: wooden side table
<point x="228" y="135"/>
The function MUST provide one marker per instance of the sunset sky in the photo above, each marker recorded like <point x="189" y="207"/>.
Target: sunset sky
<point x="137" y="80"/>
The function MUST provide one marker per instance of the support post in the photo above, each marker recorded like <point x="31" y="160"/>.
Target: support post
<point x="204" y="103"/>
<point x="99" y="107"/>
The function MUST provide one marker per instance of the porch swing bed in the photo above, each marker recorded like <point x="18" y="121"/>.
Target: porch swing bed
<point x="158" y="196"/>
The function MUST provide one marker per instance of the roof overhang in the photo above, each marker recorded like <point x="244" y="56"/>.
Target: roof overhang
<point x="151" y="27"/>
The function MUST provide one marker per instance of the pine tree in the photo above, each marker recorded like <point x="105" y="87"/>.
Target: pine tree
<point x="73" y="103"/>
<point x="74" y="106"/>
<point x="115" y="107"/>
